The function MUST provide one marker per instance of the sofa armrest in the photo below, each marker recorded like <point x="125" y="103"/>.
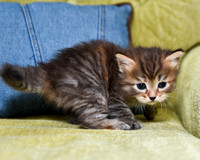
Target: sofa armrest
<point x="188" y="92"/>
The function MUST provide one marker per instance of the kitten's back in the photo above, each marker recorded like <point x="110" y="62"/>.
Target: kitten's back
<point x="82" y="65"/>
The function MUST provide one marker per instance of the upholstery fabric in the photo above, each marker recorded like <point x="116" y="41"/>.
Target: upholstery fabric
<point x="33" y="33"/>
<point x="42" y="138"/>
<point x="188" y="92"/>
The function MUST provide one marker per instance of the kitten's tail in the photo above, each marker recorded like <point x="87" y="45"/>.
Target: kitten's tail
<point x="24" y="79"/>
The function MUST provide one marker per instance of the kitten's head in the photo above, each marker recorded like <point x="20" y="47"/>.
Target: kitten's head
<point x="149" y="74"/>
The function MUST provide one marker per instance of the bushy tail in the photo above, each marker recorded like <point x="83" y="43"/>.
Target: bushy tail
<point x="24" y="79"/>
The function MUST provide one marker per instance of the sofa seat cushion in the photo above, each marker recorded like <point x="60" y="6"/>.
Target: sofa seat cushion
<point x="52" y="138"/>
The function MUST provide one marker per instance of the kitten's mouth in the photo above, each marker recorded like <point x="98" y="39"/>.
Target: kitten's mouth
<point x="146" y="101"/>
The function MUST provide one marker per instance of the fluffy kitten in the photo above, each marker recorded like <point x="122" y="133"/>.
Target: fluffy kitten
<point x="91" y="81"/>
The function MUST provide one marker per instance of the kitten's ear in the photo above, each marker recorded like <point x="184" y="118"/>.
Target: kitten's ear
<point x="125" y="63"/>
<point x="174" y="58"/>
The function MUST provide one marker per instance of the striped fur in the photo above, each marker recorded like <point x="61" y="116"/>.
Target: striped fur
<point x="89" y="81"/>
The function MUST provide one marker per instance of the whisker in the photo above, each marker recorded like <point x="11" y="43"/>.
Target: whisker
<point x="165" y="107"/>
<point x="170" y="105"/>
<point x="161" y="106"/>
<point x="171" y="97"/>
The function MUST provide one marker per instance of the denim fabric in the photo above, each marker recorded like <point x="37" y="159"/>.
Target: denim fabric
<point x="33" y="33"/>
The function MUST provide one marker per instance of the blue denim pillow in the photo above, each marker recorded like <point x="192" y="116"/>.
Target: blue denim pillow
<point x="33" y="33"/>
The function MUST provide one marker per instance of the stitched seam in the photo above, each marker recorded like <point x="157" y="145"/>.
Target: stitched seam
<point x="35" y="36"/>
<point x="99" y="24"/>
<point x="103" y="21"/>
<point x="30" y="35"/>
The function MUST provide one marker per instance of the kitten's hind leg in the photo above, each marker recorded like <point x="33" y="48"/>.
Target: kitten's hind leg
<point x="94" y="116"/>
<point x="119" y="110"/>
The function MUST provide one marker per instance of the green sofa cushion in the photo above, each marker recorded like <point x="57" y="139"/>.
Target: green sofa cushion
<point x="188" y="92"/>
<point x="50" y="138"/>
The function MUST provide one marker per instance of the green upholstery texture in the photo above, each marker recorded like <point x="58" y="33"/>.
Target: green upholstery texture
<point x="188" y="92"/>
<point x="51" y="138"/>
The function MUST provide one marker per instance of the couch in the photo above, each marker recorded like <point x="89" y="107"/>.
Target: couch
<point x="173" y="134"/>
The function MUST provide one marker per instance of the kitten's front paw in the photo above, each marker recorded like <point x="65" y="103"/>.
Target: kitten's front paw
<point x="135" y="125"/>
<point x="122" y="126"/>
<point x="115" y="124"/>
<point x="129" y="126"/>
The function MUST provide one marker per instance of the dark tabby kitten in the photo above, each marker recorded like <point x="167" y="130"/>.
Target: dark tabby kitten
<point x="93" y="80"/>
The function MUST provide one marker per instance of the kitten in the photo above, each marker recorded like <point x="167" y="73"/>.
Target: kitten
<point x="152" y="75"/>
<point x="91" y="81"/>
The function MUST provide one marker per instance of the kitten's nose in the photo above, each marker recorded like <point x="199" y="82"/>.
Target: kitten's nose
<point x="152" y="98"/>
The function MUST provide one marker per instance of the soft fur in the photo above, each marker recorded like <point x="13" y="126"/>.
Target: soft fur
<point x="93" y="81"/>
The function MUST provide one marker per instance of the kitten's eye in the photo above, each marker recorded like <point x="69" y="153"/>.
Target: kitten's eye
<point x="162" y="85"/>
<point x="141" y="86"/>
